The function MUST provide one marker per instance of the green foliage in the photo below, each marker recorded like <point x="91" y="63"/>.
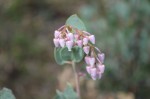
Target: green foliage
<point x="77" y="54"/>
<point x="57" y="55"/>
<point x="68" y="93"/>
<point x="62" y="55"/>
<point x="6" y="94"/>
<point x="76" y="22"/>
<point x="65" y="54"/>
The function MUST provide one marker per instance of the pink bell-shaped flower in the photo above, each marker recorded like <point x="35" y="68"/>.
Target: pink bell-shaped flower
<point x="86" y="49"/>
<point x="56" y="34"/>
<point x="79" y="43"/>
<point x="101" y="68"/>
<point x="62" y="42"/>
<point x="88" y="69"/>
<point x="85" y="41"/>
<point x="101" y="57"/>
<point x="69" y="44"/>
<point x="87" y="60"/>
<point x="70" y="36"/>
<point x="92" y="61"/>
<point x="56" y="42"/>
<point x="92" y="38"/>
<point x="93" y="73"/>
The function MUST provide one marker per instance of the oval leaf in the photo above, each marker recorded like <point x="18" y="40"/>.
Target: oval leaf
<point x="76" y="22"/>
<point x="77" y="54"/>
<point x="65" y="54"/>
<point x="57" y="56"/>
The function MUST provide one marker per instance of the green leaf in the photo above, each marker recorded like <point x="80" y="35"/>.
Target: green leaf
<point x="77" y="54"/>
<point x="76" y="22"/>
<point x="57" y="56"/>
<point x="59" y="95"/>
<point x="65" y="54"/>
<point x="6" y="94"/>
<point x="62" y="55"/>
<point x="68" y="93"/>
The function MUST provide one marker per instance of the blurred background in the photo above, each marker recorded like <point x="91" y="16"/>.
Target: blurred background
<point x="122" y="29"/>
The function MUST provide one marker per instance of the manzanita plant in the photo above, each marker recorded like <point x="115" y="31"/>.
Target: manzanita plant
<point x="74" y="44"/>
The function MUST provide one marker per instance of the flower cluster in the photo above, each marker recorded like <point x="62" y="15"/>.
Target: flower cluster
<point x="70" y="37"/>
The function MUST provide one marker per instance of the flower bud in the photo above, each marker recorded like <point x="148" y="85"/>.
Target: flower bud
<point x="56" y="42"/>
<point x="92" y="38"/>
<point x="69" y="44"/>
<point x="101" y="57"/>
<point x="79" y="43"/>
<point x="92" y="61"/>
<point x="86" y="49"/>
<point x="85" y="41"/>
<point x="62" y="42"/>
<point x="70" y="36"/>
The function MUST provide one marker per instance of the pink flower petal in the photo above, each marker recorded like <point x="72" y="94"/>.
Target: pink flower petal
<point x="101" y="57"/>
<point x="85" y="41"/>
<point x="101" y="68"/>
<point x="69" y="44"/>
<point x="62" y="42"/>
<point x="56" y="42"/>
<point x="56" y="34"/>
<point x="87" y="59"/>
<point x="70" y="36"/>
<point x="88" y="69"/>
<point x="79" y="43"/>
<point x="92" y="38"/>
<point x="94" y="73"/>
<point x="92" y="61"/>
<point x="86" y="49"/>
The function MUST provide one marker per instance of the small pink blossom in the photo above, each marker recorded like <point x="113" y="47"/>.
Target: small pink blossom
<point x="88" y="69"/>
<point x="86" y="49"/>
<point x="62" y="42"/>
<point x="70" y="36"/>
<point x="85" y="41"/>
<point x="87" y="59"/>
<point x="56" y="42"/>
<point x="79" y="43"/>
<point x="56" y="34"/>
<point x="92" y="38"/>
<point x="92" y="61"/>
<point x="69" y="44"/>
<point x="101" y="68"/>
<point x="93" y="73"/>
<point x="101" y="57"/>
